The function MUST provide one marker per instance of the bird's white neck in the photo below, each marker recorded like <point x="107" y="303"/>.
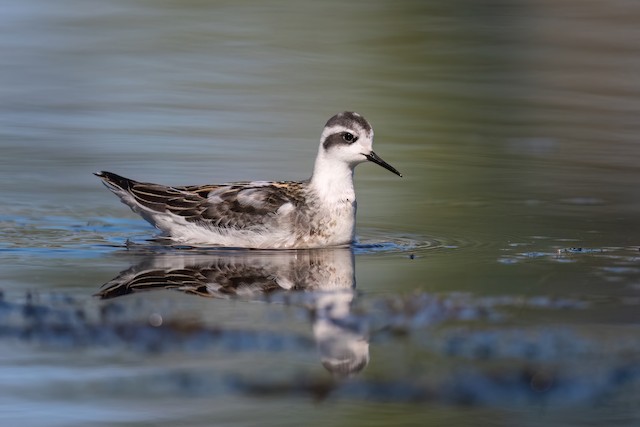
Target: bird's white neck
<point x="332" y="180"/>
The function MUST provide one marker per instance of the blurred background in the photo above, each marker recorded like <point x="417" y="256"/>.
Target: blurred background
<point x="515" y="124"/>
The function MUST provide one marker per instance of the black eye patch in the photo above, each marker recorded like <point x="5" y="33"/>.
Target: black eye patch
<point x="342" y="138"/>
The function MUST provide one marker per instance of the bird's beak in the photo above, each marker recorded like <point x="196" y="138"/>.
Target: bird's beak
<point x="373" y="157"/>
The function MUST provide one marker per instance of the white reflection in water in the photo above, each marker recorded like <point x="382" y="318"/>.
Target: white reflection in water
<point x="324" y="279"/>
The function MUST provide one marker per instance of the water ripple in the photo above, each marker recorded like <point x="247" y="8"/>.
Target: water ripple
<point x="383" y="241"/>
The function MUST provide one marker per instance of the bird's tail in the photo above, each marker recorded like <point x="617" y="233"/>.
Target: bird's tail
<point x="124" y="188"/>
<point x="115" y="182"/>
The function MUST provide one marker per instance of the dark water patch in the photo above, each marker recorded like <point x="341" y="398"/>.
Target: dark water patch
<point x="570" y="251"/>
<point x="65" y="322"/>
<point x="533" y="344"/>
<point x="78" y="321"/>
<point x="484" y="361"/>
<point x="511" y="386"/>
<point x="403" y="314"/>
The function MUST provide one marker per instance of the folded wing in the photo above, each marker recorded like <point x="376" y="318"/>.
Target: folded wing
<point x="236" y="205"/>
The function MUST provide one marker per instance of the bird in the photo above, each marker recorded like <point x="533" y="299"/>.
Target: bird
<point x="318" y="212"/>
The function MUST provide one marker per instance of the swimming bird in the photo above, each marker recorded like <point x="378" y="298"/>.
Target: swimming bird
<point x="317" y="212"/>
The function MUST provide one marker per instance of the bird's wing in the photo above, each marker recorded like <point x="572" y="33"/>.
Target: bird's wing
<point x="236" y="205"/>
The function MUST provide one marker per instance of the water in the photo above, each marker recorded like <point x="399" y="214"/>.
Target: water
<point x="497" y="283"/>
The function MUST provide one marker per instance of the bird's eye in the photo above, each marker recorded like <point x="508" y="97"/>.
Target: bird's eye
<point x="349" y="137"/>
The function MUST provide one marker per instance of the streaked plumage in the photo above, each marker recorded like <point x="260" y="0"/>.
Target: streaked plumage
<point x="317" y="212"/>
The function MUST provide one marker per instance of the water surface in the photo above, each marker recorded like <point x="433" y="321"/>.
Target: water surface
<point x="497" y="283"/>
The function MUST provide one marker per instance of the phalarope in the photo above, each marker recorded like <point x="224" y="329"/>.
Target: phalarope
<point x="317" y="212"/>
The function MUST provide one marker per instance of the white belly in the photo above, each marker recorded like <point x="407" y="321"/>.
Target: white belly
<point x="322" y="228"/>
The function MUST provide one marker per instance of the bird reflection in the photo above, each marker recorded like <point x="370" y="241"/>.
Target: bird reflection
<point x="325" y="277"/>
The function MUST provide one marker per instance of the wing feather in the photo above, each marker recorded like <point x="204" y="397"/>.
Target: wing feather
<point x="237" y="205"/>
<point x="240" y="205"/>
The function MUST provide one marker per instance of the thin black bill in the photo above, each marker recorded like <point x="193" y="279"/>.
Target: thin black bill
<point x="373" y="157"/>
